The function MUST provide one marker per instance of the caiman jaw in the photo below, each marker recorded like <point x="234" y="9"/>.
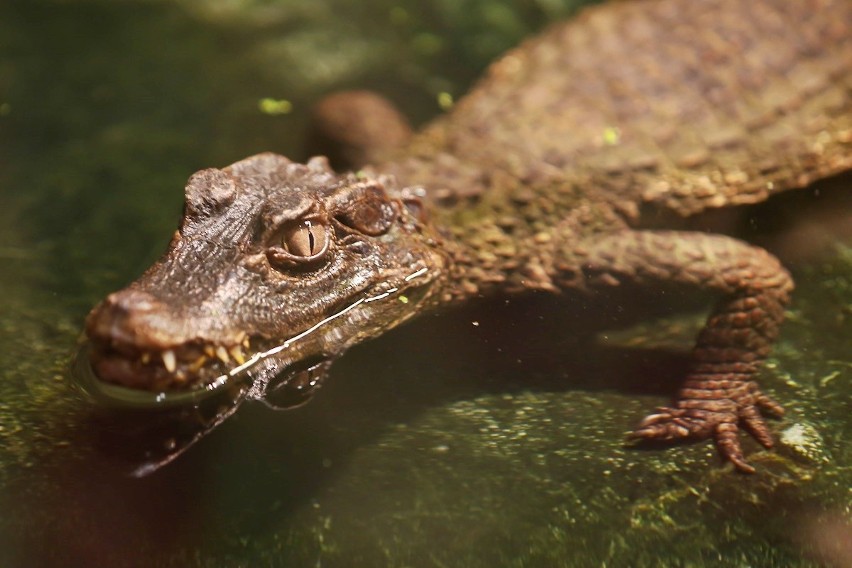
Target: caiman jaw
<point x="181" y="367"/>
<point x="129" y="344"/>
<point x="136" y="344"/>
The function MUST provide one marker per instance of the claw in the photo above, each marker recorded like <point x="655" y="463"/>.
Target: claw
<point x="717" y="416"/>
<point x="654" y="419"/>
<point x="729" y="446"/>
<point x="767" y="404"/>
<point x="753" y="423"/>
<point x="661" y="427"/>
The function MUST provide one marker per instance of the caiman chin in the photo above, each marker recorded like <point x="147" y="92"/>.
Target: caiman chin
<point x="537" y="180"/>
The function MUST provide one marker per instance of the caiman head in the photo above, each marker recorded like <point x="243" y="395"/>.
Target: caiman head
<point x="277" y="267"/>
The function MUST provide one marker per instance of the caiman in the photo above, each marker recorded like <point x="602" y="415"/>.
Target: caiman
<point x="539" y="179"/>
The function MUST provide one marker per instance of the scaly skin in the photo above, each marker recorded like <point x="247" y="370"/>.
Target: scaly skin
<point x="637" y="107"/>
<point x="540" y="179"/>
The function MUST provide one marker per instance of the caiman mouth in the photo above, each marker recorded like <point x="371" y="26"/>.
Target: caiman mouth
<point x="183" y="367"/>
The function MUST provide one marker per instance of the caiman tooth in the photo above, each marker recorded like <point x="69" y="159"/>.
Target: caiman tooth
<point x="222" y="354"/>
<point x="237" y="353"/>
<point x="246" y="343"/>
<point x="209" y="351"/>
<point x="169" y="360"/>
<point x="146" y="358"/>
<point x="197" y="364"/>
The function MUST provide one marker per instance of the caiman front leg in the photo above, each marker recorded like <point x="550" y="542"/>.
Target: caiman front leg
<point x="719" y="393"/>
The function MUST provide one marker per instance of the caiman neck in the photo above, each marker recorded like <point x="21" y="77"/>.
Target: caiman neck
<point x="500" y="230"/>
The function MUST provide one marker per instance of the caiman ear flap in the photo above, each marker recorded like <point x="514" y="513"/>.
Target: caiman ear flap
<point x="208" y="192"/>
<point x="365" y="207"/>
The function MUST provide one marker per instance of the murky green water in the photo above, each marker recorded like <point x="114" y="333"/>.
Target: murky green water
<point x="443" y="444"/>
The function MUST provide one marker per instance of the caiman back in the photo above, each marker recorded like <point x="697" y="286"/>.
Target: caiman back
<point x="610" y="105"/>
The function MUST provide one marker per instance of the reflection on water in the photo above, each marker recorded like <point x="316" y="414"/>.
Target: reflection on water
<point x="445" y="443"/>
<point x="154" y="429"/>
<point x="281" y="377"/>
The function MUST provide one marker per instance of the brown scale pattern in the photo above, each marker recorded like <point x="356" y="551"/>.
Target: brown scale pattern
<point x="718" y="393"/>
<point x="538" y="177"/>
<point x="687" y="105"/>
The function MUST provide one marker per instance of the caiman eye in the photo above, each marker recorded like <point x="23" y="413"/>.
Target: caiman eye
<point x="301" y="244"/>
<point x="306" y="239"/>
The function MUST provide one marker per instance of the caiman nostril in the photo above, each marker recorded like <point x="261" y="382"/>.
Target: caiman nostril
<point x="125" y="318"/>
<point x="132" y="301"/>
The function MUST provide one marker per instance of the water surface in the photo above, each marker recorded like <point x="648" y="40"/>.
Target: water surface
<point x="489" y="437"/>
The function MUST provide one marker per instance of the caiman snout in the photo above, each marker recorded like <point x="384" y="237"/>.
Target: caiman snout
<point x="142" y="342"/>
<point x="132" y="319"/>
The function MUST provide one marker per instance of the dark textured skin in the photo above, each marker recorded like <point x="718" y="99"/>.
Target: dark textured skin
<point x="540" y="179"/>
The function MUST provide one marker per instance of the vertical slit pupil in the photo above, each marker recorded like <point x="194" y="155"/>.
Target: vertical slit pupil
<point x="311" y="239"/>
<point x="305" y="239"/>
